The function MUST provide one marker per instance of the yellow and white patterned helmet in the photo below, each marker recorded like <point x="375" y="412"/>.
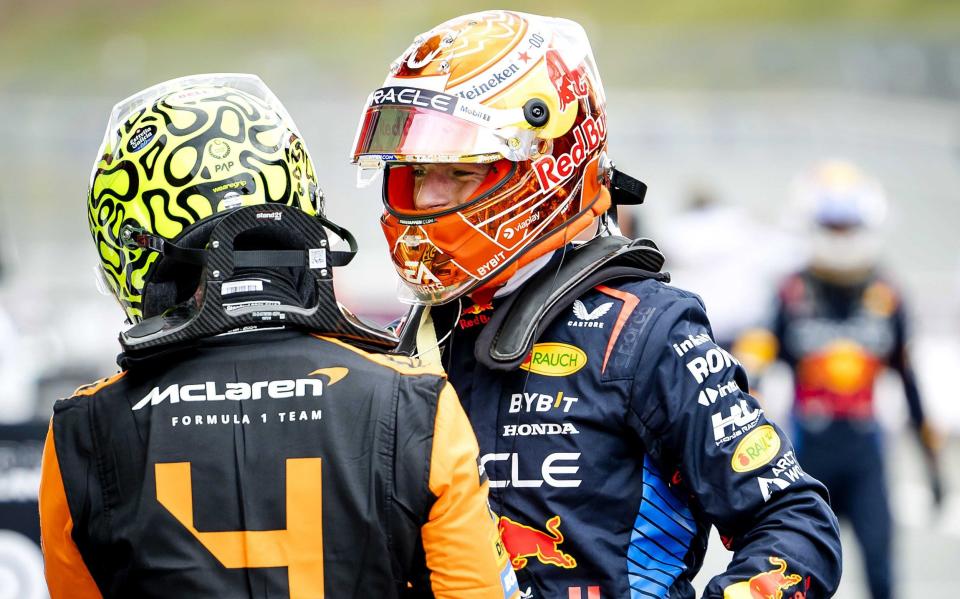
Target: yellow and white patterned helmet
<point x="181" y="152"/>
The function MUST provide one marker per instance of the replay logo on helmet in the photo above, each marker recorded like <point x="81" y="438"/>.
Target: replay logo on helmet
<point x="411" y="96"/>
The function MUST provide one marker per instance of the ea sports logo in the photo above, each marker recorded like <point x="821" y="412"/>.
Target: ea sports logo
<point x="418" y="273"/>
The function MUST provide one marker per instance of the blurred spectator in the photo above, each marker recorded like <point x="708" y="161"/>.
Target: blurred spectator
<point x="21" y="445"/>
<point x="838" y="324"/>
<point x="720" y="252"/>
<point x="16" y="396"/>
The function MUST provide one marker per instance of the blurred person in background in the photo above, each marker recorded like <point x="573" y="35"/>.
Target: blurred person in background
<point x="169" y="478"/>
<point x="17" y="403"/>
<point x="21" y="448"/>
<point x="710" y="246"/>
<point x="838" y="324"/>
<point x="614" y="430"/>
<point x="16" y="397"/>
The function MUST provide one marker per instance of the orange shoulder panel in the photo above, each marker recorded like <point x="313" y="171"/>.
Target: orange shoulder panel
<point x="464" y="553"/>
<point x="92" y="388"/>
<point x="66" y="573"/>
<point x="630" y="302"/>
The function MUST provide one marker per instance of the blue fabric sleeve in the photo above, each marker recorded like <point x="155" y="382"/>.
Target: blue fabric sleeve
<point x="690" y="407"/>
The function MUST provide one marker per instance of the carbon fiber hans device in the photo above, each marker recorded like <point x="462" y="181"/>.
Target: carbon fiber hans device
<point x="204" y="314"/>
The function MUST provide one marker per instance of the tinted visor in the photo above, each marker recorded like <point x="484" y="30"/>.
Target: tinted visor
<point x="839" y="212"/>
<point x="421" y="134"/>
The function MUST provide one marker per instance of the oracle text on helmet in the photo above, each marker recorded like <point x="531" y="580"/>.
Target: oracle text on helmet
<point x="411" y="96"/>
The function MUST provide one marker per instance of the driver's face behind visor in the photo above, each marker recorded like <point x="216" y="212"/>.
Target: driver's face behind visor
<point x="442" y="186"/>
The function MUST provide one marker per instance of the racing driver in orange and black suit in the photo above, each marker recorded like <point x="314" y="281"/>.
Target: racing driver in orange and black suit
<point x="615" y="432"/>
<point x="279" y="461"/>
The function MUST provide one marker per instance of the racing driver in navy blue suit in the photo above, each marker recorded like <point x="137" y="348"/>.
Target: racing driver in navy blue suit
<point x="613" y="429"/>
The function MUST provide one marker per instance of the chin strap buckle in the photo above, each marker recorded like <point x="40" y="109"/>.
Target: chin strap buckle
<point x="626" y="190"/>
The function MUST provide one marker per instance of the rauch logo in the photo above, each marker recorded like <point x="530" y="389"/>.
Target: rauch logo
<point x="555" y="359"/>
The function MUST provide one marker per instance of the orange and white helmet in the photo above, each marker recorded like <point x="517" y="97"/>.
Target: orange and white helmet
<point x="517" y="91"/>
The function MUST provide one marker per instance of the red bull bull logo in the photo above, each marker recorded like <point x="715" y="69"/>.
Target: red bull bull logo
<point x="523" y="542"/>
<point x="766" y="585"/>
<point x="843" y="367"/>
<point x="570" y="84"/>
<point x="474" y="315"/>
<point x="476" y="309"/>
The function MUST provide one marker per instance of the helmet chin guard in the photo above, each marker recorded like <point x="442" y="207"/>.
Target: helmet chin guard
<point x="204" y="314"/>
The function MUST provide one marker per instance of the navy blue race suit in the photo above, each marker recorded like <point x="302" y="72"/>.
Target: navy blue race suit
<point x="837" y="339"/>
<point x="622" y="439"/>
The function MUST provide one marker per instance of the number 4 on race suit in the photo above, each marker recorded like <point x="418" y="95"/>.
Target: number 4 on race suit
<point x="303" y="537"/>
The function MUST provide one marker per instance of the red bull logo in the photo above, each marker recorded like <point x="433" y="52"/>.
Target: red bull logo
<point x="474" y="315"/>
<point x="766" y="585"/>
<point x="570" y="84"/>
<point x="523" y="542"/>
<point x="476" y="309"/>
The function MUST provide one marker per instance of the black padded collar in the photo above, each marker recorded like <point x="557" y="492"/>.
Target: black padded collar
<point x="515" y="325"/>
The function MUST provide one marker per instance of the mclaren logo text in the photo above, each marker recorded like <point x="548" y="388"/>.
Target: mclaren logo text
<point x="210" y="391"/>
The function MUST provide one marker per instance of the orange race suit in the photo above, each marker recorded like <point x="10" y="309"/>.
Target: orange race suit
<point x="269" y="464"/>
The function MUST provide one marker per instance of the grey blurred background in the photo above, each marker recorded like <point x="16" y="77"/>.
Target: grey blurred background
<point x="732" y="98"/>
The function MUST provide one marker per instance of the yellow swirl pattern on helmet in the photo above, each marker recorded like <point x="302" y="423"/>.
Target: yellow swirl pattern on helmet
<point x="191" y="154"/>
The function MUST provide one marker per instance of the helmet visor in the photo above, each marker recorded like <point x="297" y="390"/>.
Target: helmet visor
<point x="415" y="134"/>
<point x="250" y="84"/>
<point x="189" y="89"/>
